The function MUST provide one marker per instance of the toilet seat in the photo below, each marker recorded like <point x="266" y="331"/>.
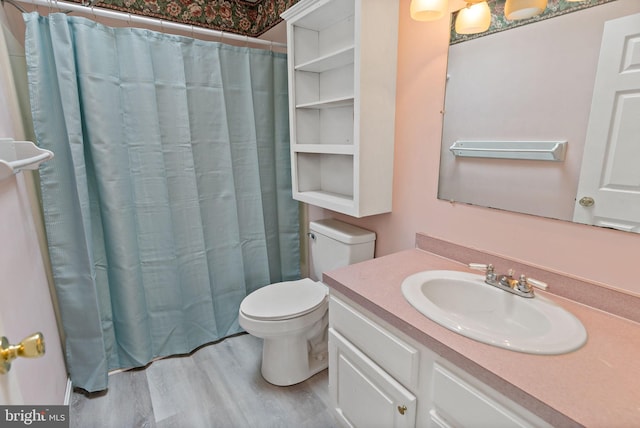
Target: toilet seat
<point x="284" y="300"/>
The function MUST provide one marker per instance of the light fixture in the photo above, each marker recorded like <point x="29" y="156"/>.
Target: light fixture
<point x="474" y="18"/>
<point x="523" y="9"/>
<point x="428" y="10"/>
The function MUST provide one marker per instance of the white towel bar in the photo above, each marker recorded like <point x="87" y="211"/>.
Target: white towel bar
<point x="18" y="155"/>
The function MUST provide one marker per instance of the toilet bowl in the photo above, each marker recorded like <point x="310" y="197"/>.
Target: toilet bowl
<point x="292" y="316"/>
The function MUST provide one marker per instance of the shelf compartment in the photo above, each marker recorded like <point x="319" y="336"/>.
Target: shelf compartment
<point x="342" y="57"/>
<point x="325" y="125"/>
<point x="326" y="15"/>
<point x="319" y="28"/>
<point x="18" y="155"/>
<point x="328" y="173"/>
<point x="310" y="45"/>
<point x="329" y="200"/>
<point x="334" y="83"/>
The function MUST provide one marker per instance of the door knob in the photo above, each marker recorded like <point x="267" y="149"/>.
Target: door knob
<point x="587" y="201"/>
<point x="402" y="409"/>
<point x="29" y="347"/>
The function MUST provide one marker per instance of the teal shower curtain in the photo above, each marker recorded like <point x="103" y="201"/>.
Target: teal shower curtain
<point x="169" y="197"/>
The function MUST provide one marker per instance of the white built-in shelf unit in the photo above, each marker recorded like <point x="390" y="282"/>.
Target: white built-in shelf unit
<point x="342" y="75"/>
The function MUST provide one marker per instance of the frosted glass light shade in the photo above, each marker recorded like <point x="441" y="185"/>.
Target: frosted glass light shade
<point x="428" y="10"/>
<point x="473" y="19"/>
<point x="523" y="9"/>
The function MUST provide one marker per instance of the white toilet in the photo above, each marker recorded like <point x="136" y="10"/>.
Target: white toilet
<point x="292" y="317"/>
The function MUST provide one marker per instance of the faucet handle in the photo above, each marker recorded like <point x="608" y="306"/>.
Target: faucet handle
<point x="525" y="284"/>
<point x="488" y="269"/>
<point x="537" y="283"/>
<point x="480" y="266"/>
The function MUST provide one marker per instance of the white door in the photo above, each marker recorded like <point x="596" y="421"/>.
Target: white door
<point x="609" y="187"/>
<point x="25" y="304"/>
<point x="25" y="301"/>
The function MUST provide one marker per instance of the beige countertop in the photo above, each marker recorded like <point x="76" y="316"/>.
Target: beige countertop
<point x="595" y="386"/>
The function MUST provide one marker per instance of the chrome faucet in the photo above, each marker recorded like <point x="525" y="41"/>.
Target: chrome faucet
<point x="522" y="286"/>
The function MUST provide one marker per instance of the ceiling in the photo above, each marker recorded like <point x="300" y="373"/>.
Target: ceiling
<point x="246" y="17"/>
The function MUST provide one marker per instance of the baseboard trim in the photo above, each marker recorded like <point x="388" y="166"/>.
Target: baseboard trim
<point x="67" y="393"/>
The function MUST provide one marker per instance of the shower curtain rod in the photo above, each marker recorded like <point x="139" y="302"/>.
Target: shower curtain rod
<point x="137" y="19"/>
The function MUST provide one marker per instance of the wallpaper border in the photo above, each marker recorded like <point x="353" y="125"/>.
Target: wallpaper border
<point x="232" y="16"/>
<point x="500" y="23"/>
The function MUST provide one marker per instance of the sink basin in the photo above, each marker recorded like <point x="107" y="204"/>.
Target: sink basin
<point x="463" y="303"/>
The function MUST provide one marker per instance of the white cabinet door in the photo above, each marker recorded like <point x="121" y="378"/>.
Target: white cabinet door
<point x="363" y="394"/>
<point x="609" y="186"/>
<point x="456" y="403"/>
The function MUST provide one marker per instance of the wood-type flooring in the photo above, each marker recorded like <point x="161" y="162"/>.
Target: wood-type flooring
<point x="217" y="386"/>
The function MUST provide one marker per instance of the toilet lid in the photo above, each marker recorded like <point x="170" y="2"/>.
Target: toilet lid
<point x="284" y="300"/>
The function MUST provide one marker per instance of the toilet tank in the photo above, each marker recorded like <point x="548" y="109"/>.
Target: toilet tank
<point x="334" y="244"/>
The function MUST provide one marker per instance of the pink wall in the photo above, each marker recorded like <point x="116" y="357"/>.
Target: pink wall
<point x="605" y="256"/>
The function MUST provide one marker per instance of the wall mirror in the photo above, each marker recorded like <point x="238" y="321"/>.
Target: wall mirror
<point x="536" y="83"/>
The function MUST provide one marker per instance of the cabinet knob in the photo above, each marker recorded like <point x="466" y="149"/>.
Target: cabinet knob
<point x="402" y="409"/>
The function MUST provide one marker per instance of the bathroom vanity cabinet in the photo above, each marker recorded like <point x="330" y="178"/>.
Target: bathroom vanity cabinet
<point x="342" y="58"/>
<point x="378" y="376"/>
